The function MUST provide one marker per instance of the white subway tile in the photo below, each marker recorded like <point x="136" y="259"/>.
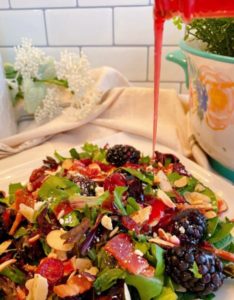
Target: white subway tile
<point x="111" y="2"/>
<point x="169" y="70"/>
<point x="17" y="24"/>
<point x="184" y="89"/>
<point x="134" y="25"/>
<point x="7" y="54"/>
<point x="79" y="26"/>
<point x="172" y="35"/>
<point x="55" y="51"/>
<point x="42" y="3"/>
<point x="130" y="61"/>
<point x="4" y="3"/>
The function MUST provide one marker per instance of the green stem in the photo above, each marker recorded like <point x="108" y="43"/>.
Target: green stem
<point x="63" y="83"/>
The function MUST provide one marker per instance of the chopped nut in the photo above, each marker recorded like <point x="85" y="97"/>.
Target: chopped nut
<point x="67" y="164"/>
<point x="183" y="181"/>
<point x="27" y="212"/>
<point x="34" y="238"/>
<point x="138" y="252"/>
<point x="107" y="222"/>
<point x="55" y="241"/>
<point x="165" y="199"/>
<point x="161" y="242"/>
<point x="7" y="264"/>
<point x="210" y="214"/>
<point x="114" y="231"/>
<point x="37" y="287"/>
<point x="93" y="271"/>
<point x="4" y="246"/>
<point x="164" y="183"/>
<point x="222" y="205"/>
<point x="142" y="215"/>
<point x="199" y="188"/>
<point x="195" y="198"/>
<point x="83" y="264"/>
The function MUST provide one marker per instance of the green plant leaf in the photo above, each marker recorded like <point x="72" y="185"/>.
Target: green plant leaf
<point x="118" y="193"/>
<point x="195" y="271"/>
<point x="139" y="175"/>
<point x="223" y="230"/>
<point x="211" y="226"/>
<point x="107" y="278"/>
<point x="13" y="187"/>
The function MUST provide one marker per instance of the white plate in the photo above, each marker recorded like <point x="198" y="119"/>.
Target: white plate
<point x="222" y="187"/>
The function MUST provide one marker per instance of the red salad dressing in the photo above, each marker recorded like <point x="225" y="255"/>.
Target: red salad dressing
<point x="187" y="9"/>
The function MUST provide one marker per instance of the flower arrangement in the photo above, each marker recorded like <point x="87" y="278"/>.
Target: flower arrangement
<point x="49" y="87"/>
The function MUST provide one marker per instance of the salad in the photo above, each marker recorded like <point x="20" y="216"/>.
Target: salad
<point x="110" y="223"/>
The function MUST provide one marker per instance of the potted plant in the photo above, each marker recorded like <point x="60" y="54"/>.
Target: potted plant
<point x="207" y="56"/>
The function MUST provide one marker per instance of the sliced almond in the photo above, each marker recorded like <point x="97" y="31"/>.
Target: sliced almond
<point x="83" y="264"/>
<point x="222" y="205"/>
<point x="183" y="181"/>
<point x="142" y="215"/>
<point x="164" y="183"/>
<point x="67" y="164"/>
<point x="197" y="198"/>
<point x="199" y="188"/>
<point x="37" y="287"/>
<point x="55" y="241"/>
<point x="161" y="242"/>
<point x="210" y="214"/>
<point x="114" y="231"/>
<point x="107" y="222"/>
<point x="4" y="246"/>
<point x="27" y="212"/>
<point x="93" y="271"/>
<point x="7" y="264"/>
<point x="165" y="198"/>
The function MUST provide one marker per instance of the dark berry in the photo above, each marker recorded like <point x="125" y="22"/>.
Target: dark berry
<point x="189" y="226"/>
<point x="87" y="186"/>
<point x="118" y="155"/>
<point x="194" y="269"/>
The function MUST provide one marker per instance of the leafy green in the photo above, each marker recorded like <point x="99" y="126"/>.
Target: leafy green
<point x="94" y="152"/>
<point x="132" y="205"/>
<point x="90" y="213"/>
<point x="92" y="254"/>
<point x="167" y="294"/>
<point x="45" y="246"/>
<point x="20" y="232"/>
<point x="211" y="226"/>
<point x="208" y="192"/>
<point x="144" y="160"/>
<point x="14" y="274"/>
<point x="158" y="252"/>
<point x="172" y="177"/>
<point x="70" y="220"/>
<point x="107" y="278"/>
<point x="192" y="182"/>
<point x="13" y="187"/>
<point x="59" y="156"/>
<point x="195" y="270"/>
<point x="55" y="189"/>
<point x="74" y="153"/>
<point x="193" y="296"/>
<point x="225" y="242"/>
<point x="147" y="287"/>
<point x="139" y="175"/>
<point x="222" y="231"/>
<point x="118" y="193"/>
<point x="105" y="259"/>
<point x="103" y="197"/>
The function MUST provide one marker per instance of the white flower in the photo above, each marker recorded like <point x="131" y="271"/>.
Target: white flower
<point x="28" y="59"/>
<point x="50" y="107"/>
<point x="75" y="69"/>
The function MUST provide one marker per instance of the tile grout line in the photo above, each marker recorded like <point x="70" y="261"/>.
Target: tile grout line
<point x="45" y="24"/>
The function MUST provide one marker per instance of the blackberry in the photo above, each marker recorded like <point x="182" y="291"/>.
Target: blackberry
<point x="87" y="186"/>
<point x="189" y="226"/>
<point x="118" y="155"/>
<point x="194" y="269"/>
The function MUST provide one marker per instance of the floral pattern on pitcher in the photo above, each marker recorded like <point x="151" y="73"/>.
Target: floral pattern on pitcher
<point x="212" y="97"/>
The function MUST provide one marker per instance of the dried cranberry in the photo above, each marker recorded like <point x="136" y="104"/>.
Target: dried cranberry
<point x="114" y="180"/>
<point x="52" y="269"/>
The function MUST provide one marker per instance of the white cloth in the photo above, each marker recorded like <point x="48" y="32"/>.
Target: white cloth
<point x="123" y="108"/>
